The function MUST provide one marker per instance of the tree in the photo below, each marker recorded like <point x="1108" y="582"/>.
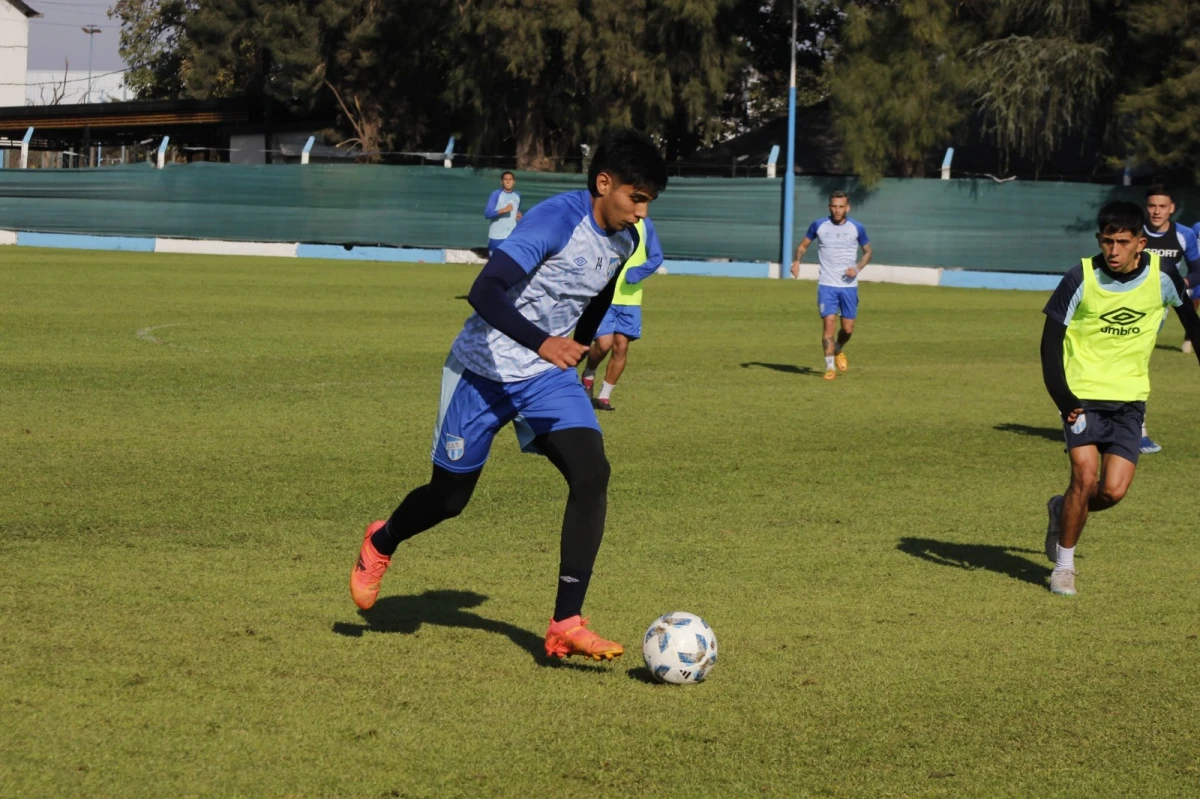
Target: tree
<point x="1160" y="109"/>
<point x="153" y="42"/>
<point x="897" y="85"/>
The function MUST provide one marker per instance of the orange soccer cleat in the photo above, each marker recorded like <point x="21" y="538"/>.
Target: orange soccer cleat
<point x="572" y="637"/>
<point x="368" y="569"/>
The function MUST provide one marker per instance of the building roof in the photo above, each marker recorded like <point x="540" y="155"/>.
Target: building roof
<point x="24" y="9"/>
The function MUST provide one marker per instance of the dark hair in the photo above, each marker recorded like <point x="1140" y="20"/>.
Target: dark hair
<point x="507" y="172"/>
<point x="631" y="157"/>
<point x="1120" y="215"/>
<point x="840" y="195"/>
<point x="1159" y="189"/>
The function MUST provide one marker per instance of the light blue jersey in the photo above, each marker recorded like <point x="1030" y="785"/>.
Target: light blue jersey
<point x="502" y="224"/>
<point x="838" y="250"/>
<point x="569" y="259"/>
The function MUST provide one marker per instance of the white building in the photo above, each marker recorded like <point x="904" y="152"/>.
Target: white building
<point x="70" y="87"/>
<point x="14" y="50"/>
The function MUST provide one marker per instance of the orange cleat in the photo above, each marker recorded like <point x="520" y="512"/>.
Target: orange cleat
<point x="368" y="569"/>
<point x="572" y="637"/>
<point x="830" y="374"/>
<point x="842" y="363"/>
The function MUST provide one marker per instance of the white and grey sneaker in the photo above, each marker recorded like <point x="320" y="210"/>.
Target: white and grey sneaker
<point x="1054" y="526"/>
<point x="1062" y="582"/>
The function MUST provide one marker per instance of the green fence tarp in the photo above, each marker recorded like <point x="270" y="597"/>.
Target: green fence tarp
<point x="970" y="224"/>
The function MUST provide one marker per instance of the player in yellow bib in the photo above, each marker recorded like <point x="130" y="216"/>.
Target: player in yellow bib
<point x="623" y="322"/>
<point x="1101" y="324"/>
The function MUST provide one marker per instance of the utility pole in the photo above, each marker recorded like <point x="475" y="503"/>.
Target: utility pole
<point x="91" y="31"/>
<point x="789" y="177"/>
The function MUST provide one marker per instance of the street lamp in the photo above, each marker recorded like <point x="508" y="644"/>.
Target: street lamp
<point x="91" y="31"/>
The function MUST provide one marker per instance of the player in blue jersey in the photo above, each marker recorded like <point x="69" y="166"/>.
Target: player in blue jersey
<point x="514" y="362"/>
<point x="837" y="282"/>
<point x="1175" y="245"/>
<point x="623" y="322"/>
<point x="504" y="209"/>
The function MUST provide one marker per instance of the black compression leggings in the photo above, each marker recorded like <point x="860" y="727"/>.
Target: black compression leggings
<point x="578" y="453"/>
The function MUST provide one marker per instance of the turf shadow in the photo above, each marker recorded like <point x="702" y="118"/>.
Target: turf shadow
<point x="786" y="368"/>
<point x="1048" y="433"/>
<point x="1002" y="560"/>
<point x="444" y="608"/>
<point x="1168" y="347"/>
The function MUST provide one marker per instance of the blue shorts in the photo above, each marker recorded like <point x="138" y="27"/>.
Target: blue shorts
<point x="1194" y="293"/>
<point x="492" y="245"/>
<point x="623" y="319"/>
<point x="837" y="301"/>
<point x="474" y="408"/>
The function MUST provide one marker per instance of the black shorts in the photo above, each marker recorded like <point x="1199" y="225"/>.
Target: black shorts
<point x="1113" y="429"/>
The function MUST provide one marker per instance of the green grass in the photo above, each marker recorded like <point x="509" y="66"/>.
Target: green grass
<point x="192" y="446"/>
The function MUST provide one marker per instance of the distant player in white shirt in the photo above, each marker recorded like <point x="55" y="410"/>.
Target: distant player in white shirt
<point x="538" y="304"/>
<point x="837" y="283"/>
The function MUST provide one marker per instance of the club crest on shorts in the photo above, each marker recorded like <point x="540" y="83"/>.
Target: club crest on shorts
<point x="455" y="447"/>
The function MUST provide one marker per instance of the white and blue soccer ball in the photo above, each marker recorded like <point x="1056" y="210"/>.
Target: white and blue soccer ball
<point x="679" y="648"/>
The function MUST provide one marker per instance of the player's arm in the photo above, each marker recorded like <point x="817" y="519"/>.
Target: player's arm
<point x="1059" y="311"/>
<point x="1191" y="256"/>
<point x="865" y="243"/>
<point x="593" y="314"/>
<point x="1183" y="306"/>
<point x="654" y="258"/>
<point x="490" y="211"/>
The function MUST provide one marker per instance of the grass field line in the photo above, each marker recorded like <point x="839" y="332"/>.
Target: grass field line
<point x="147" y="334"/>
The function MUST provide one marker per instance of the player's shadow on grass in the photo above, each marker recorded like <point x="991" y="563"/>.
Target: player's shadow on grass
<point x="786" y="368"/>
<point x="1048" y="433"/>
<point x="1002" y="560"/>
<point x="1170" y="347"/>
<point x="444" y="608"/>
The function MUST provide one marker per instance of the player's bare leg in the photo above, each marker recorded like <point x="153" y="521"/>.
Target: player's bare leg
<point x="616" y="366"/>
<point x="843" y="336"/>
<point x="596" y="354"/>
<point x="828" y="343"/>
<point x="1096" y="485"/>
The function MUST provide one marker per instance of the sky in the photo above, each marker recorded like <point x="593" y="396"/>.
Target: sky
<point x="57" y="35"/>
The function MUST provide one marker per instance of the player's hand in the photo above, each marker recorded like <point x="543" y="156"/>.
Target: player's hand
<point x="562" y="352"/>
<point x="796" y="269"/>
<point x="519" y="215"/>
<point x="851" y="273"/>
<point x="505" y="209"/>
<point x="1073" y="415"/>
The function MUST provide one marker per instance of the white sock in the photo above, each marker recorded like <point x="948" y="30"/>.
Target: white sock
<point x="589" y="373"/>
<point x="828" y="362"/>
<point x="1144" y="433"/>
<point x="1066" y="558"/>
<point x="606" y="390"/>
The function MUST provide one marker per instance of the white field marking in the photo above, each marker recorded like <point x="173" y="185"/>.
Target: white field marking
<point x="146" y="334"/>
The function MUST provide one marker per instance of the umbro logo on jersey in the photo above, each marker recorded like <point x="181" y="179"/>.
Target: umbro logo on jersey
<point x="455" y="447"/>
<point x="581" y="261"/>
<point x="1122" y="321"/>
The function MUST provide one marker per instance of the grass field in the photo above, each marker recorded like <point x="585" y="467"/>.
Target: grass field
<point x="192" y="446"/>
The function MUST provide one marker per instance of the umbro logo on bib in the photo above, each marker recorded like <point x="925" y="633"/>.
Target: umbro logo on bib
<point x="1120" y="322"/>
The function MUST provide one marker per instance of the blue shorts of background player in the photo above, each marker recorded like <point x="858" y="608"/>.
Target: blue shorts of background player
<point x="623" y="319"/>
<point x="493" y="244"/>
<point x="837" y="301"/>
<point x="473" y="409"/>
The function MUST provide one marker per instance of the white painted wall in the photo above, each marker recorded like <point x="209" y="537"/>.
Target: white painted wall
<point x="14" y="54"/>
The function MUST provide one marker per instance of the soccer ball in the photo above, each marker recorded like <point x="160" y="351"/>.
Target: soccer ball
<point x="679" y="648"/>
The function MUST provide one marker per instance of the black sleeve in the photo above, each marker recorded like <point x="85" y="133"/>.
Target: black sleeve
<point x="1054" y="374"/>
<point x="1185" y="310"/>
<point x="593" y="314"/>
<point x="489" y="297"/>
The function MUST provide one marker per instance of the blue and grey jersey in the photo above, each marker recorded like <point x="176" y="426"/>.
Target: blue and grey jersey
<point x="568" y="259"/>
<point x="838" y="249"/>
<point x="502" y="224"/>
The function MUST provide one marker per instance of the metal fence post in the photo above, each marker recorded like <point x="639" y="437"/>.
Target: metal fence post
<point x="162" y="152"/>
<point x="25" y="148"/>
<point x="308" y="145"/>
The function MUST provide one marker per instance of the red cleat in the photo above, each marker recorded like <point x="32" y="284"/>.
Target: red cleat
<point x="368" y="569"/>
<point x="572" y="637"/>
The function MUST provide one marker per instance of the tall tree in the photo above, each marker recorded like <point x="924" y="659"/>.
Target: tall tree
<point x="153" y="41"/>
<point x="897" y="87"/>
